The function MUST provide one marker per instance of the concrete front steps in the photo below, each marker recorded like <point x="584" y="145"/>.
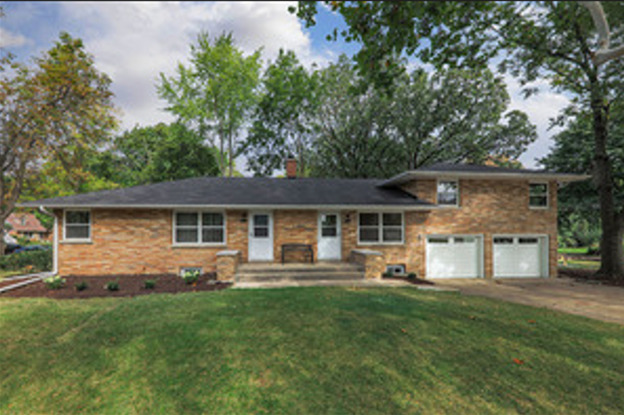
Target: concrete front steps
<point x="318" y="273"/>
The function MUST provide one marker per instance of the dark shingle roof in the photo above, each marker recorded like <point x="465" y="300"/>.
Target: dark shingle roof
<point x="217" y="191"/>
<point x="473" y="171"/>
<point x="474" y="168"/>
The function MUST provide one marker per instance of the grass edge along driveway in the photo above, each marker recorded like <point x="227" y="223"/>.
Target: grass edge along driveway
<point x="305" y="351"/>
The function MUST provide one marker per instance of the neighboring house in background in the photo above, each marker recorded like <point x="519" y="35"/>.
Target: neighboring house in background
<point x="27" y="225"/>
<point x="439" y="221"/>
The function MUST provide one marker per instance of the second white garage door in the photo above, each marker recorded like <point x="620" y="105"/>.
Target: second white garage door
<point x="520" y="256"/>
<point x="454" y="256"/>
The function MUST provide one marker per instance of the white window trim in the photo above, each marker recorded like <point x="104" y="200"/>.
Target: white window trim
<point x="456" y="205"/>
<point x="199" y="229"/>
<point x="380" y="229"/>
<point x="547" y="196"/>
<point x="77" y="240"/>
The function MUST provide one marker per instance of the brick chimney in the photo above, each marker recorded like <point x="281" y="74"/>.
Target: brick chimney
<point x="291" y="168"/>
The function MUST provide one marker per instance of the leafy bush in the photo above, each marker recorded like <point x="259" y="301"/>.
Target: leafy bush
<point x="81" y="286"/>
<point x="38" y="261"/>
<point x="54" y="282"/>
<point x="190" y="277"/>
<point x="150" y="284"/>
<point x="387" y="274"/>
<point x="411" y="276"/>
<point x="112" y="286"/>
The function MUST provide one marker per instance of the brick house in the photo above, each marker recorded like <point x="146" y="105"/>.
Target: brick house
<point x="27" y="225"/>
<point x="461" y="221"/>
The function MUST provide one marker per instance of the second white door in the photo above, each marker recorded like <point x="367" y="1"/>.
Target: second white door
<point x="329" y="237"/>
<point x="260" y="236"/>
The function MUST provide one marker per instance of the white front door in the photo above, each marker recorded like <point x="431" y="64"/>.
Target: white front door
<point x="518" y="256"/>
<point x="329" y="238"/>
<point x="260" y="236"/>
<point x="454" y="256"/>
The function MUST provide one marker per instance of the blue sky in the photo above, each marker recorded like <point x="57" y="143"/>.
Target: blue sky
<point x="134" y="42"/>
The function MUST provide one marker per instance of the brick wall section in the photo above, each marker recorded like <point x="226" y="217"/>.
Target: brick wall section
<point x="488" y="207"/>
<point x="140" y="241"/>
<point x="373" y="262"/>
<point x="294" y="227"/>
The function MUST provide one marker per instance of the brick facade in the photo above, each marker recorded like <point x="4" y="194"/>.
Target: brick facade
<point x="140" y="241"/>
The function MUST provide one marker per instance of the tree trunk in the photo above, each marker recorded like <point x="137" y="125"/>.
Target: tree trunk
<point x="611" y="240"/>
<point x="221" y="153"/>
<point x="230" y="155"/>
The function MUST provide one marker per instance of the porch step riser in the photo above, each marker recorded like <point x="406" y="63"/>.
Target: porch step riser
<point x="275" y="271"/>
<point x="300" y="277"/>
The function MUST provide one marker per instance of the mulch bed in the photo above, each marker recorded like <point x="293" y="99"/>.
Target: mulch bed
<point x="415" y="281"/>
<point x="588" y="276"/>
<point x="129" y="286"/>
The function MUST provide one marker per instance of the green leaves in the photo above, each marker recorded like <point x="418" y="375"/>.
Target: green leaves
<point x="215" y="94"/>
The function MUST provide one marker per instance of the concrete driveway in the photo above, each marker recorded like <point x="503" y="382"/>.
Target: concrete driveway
<point x="595" y="301"/>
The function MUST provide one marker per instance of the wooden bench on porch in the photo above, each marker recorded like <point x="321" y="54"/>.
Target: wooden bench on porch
<point x="305" y="248"/>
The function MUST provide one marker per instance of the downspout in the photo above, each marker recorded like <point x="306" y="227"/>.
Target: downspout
<point x="55" y="238"/>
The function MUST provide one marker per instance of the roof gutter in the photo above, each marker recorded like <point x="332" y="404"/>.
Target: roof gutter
<point x="245" y="207"/>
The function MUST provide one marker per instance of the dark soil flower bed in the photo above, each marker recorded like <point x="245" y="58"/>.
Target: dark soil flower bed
<point x="129" y="286"/>
<point x="588" y="276"/>
<point x="415" y="281"/>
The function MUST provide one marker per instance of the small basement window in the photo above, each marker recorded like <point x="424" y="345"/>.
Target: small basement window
<point x="538" y="195"/>
<point x="77" y="225"/>
<point x="190" y="269"/>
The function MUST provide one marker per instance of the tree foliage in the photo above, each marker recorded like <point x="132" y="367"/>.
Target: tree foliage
<point x="52" y="110"/>
<point x="214" y="94"/>
<point x="284" y="116"/>
<point x="154" y="154"/>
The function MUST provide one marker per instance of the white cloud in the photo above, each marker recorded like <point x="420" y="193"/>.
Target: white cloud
<point x="540" y="108"/>
<point x="9" y="39"/>
<point x="134" y="42"/>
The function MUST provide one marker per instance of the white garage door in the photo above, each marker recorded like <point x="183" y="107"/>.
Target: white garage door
<point x="518" y="256"/>
<point x="454" y="256"/>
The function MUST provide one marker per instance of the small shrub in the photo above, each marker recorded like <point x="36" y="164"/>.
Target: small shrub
<point x="387" y="274"/>
<point x="54" y="282"/>
<point x="149" y="284"/>
<point x="81" y="286"/>
<point x="411" y="276"/>
<point x="112" y="286"/>
<point x="190" y="277"/>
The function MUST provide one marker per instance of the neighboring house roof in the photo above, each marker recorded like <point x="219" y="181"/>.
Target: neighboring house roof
<point x="25" y="222"/>
<point x="472" y="171"/>
<point x="245" y="192"/>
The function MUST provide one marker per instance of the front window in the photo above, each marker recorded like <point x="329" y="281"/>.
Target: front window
<point x="380" y="228"/>
<point x="538" y="195"/>
<point x="199" y="228"/>
<point x="77" y="225"/>
<point x="448" y="193"/>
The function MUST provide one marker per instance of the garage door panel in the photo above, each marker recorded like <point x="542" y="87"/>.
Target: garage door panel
<point x="453" y="256"/>
<point x="518" y="256"/>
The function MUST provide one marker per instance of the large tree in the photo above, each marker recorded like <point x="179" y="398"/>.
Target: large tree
<point x="352" y="128"/>
<point x="455" y="116"/>
<point x="50" y="110"/>
<point x="215" y="93"/>
<point x="578" y="202"/>
<point x="283" y="118"/>
<point x="452" y="116"/>
<point x="154" y="154"/>
<point x="568" y="44"/>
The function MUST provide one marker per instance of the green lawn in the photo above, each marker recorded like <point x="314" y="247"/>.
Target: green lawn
<point x="305" y="351"/>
